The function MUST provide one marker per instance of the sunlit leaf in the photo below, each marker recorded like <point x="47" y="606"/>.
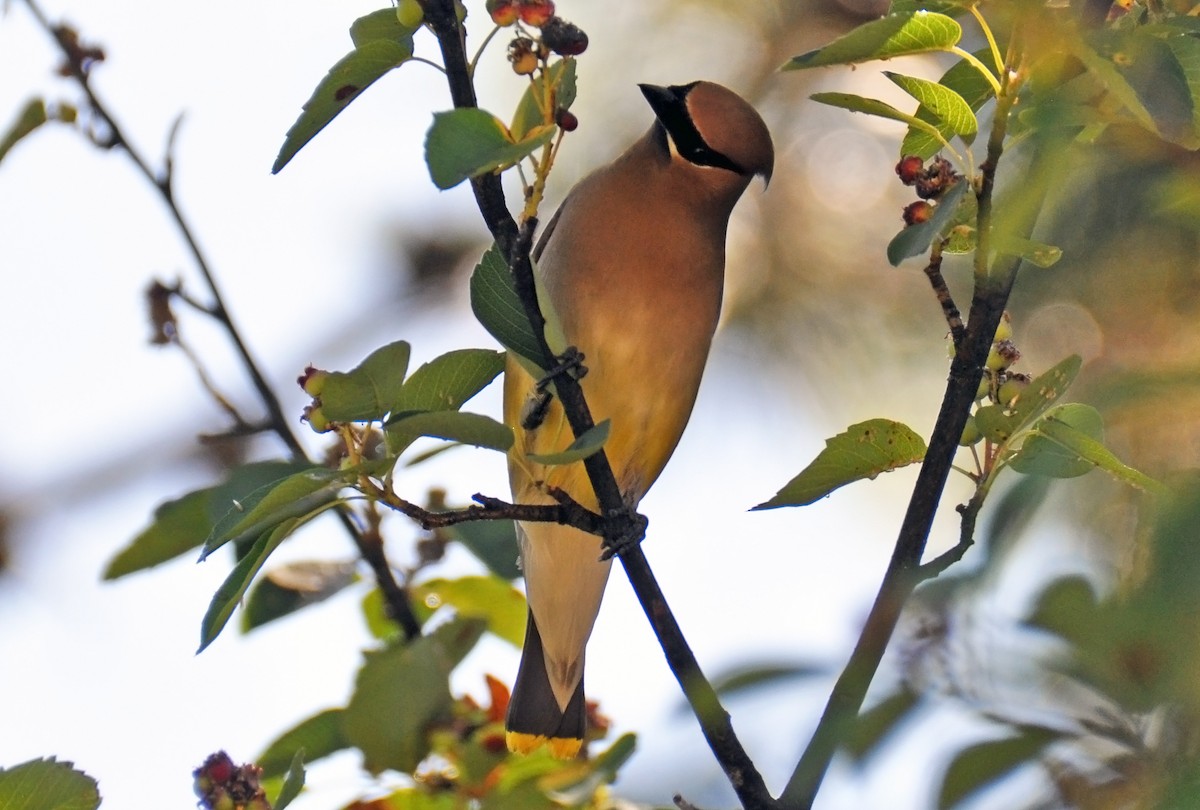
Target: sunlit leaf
<point x="880" y="109"/>
<point x="968" y="83"/>
<point x="371" y="389"/>
<point x="409" y="686"/>
<point x="895" y="35"/>
<point x="346" y="80"/>
<point x="47" y="784"/>
<point x="978" y="766"/>
<point x="864" y="451"/>
<point x="318" y="736"/>
<point x="914" y="240"/>
<point x="468" y="141"/>
<point x="949" y="108"/>
<point x="588" y="444"/>
<point x="489" y="598"/>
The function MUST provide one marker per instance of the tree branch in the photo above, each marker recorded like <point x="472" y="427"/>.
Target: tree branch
<point x="514" y="244"/>
<point x="993" y="283"/>
<point x="398" y="606"/>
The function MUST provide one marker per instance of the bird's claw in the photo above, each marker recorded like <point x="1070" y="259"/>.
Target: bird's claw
<point x="630" y="532"/>
<point x="571" y="360"/>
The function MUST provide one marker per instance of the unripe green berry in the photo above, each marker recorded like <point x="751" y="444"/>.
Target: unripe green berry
<point x="315" y="416"/>
<point x="313" y="380"/>
<point x="970" y="434"/>
<point x="1004" y="331"/>
<point x="1003" y="354"/>
<point x="410" y="14"/>
<point x="1012" y="388"/>
<point x="985" y="386"/>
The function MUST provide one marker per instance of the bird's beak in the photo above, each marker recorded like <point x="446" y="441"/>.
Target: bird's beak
<point x="662" y="100"/>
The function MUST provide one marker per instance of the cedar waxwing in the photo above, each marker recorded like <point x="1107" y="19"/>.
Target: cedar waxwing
<point x="633" y="265"/>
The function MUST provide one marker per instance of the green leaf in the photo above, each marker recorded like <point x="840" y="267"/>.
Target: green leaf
<point x="285" y="590"/>
<point x="864" y="451"/>
<point x="950" y="8"/>
<point x="1067" y="607"/>
<point x="977" y="766"/>
<point x="382" y="24"/>
<point x="1069" y="441"/>
<point x="456" y="426"/>
<point x="872" y="106"/>
<point x="498" y="308"/>
<point x="600" y="771"/>
<point x="1186" y="50"/>
<point x="914" y="240"/>
<point x="1036" y="253"/>
<point x="47" y="784"/>
<point x="949" y="108"/>
<point x="293" y="783"/>
<point x="346" y="80"/>
<point x="448" y="381"/>
<point x="370" y="390"/>
<point x="186" y="522"/>
<point x="269" y="506"/>
<point x="999" y="423"/>
<point x="588" y="444"/>
<point x="481" y="597"/>
<point x="401" y="691"/>
<point x="32" y="116"/>
<point x="560" y="76"/>
<point x="178" y="527"/>
<point x="318" y="737"/>
<point x="876" y="724"/>
<point x="1041" y="455"/>
<point x="227" y="597"/>
<point x="895" y="35"/>
<point x="467" y="142"/>
<point x="965" y="81"/>
<point x="494" y="543"/>
<point x="1142" y="72"/>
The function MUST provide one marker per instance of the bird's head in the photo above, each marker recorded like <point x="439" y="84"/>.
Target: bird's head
<point x="710" y="125"/>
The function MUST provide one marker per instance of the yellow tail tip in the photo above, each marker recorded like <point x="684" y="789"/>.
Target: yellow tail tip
<point x="560" y="747"/>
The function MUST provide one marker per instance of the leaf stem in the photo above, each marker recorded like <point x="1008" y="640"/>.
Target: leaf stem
<point x="980" y="66"/>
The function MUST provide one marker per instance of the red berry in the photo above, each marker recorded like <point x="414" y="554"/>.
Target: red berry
<point x="566" y="120"/>
<point x="536" y="12"/>
<point x="909" y="168"/>
<point x="917" y="212"/>
<point x="503" y="12"/>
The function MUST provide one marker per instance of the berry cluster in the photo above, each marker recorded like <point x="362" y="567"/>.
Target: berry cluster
<point x="556" y="35"/>
<point x="221" y="785"/>
<point x="1002" y="386"/>
<point x="929" y="181"/>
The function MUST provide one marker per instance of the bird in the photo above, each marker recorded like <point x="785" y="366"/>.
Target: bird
<point x="632" y="265"/>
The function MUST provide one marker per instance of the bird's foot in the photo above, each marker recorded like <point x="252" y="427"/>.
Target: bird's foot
<point x="629" y="531"/>
<point x="570" y="361"/>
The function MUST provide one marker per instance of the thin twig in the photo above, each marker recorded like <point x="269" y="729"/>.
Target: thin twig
<point x="397" y="601"/>
<point x="514" y="244"/>
<point x="949" y="309"/>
